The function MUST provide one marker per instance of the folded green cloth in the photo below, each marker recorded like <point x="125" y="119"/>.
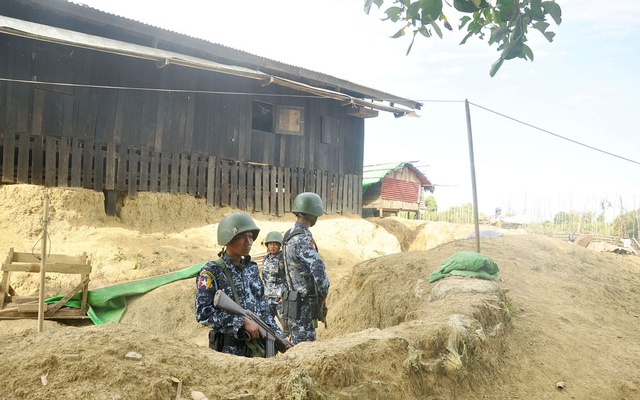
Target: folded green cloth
<point x="469" y="264"/>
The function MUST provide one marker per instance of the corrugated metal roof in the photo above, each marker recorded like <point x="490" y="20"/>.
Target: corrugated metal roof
<point x="162" y="57"/>
<point x="260" y="63"/>
<point x="372" y="174"/>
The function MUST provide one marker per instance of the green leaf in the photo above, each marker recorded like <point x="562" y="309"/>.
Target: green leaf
<point x="508" y="9"/>
<point x="495" y="67"/>
<point x="528" y="53"/>
<point x="413" y="11"/>
<point x="476" y="3"/>
<point x="411" y="45"/>
<point x="466" y="37"/>
<point x="553" y="9"/>
<point x="541" y="26"/>
<point x="367" y="6"/>
<point x="437" y="29"/>
<point x="549" y="36"/>
<point x="431" y="10"/>
<point x="536" y="10"/>
<point x="393" y="13"/>
<point x="463" y="21"/>
<point x="513" y="50"/>
<point x="498" y="34"/>
<point x="464" y="6"/>
<point x="398" y="34"/>
<point x="445" y="22"/>
<point x="424" y="31"/>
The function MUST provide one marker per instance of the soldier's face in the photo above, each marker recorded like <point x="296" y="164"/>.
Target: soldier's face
<point x="274" y="247"/>
<point x="240" y="245"/>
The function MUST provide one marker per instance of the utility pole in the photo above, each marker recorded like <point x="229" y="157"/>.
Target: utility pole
<point x="473" y="176"/>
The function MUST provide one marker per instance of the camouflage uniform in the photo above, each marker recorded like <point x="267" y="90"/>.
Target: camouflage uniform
<point x="273" y="285"/>
<point x="272" y="282"/>
<point x="304" y="267"/>
<point x="250" y="294"/>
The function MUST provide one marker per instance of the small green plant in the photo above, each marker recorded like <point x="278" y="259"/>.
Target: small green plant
<point x="119" y="256"/>
<point x="139" y="263"/>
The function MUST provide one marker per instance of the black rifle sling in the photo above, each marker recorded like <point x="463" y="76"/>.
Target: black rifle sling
<point x="226" y="272"/>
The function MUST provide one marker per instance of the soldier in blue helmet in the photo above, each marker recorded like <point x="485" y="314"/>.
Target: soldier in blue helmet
<point x="238" y="277"/>
<point x="306" y="285"/>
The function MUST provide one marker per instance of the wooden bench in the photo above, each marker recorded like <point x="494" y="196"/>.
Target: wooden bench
<point x="14" y="306"/>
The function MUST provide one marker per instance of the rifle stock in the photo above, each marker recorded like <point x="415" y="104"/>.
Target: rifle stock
<point x="224" y="302"/>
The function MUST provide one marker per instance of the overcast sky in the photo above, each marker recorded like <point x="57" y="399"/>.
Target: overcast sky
<point x="584" y="87"/>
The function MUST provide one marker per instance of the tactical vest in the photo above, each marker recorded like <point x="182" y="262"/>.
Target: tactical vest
<point x="282" y="267"/>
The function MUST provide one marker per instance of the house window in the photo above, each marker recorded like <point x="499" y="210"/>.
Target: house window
<point x="267" y="117"/>
<point x="262" y="118"/>
<point x="290" y="120"/>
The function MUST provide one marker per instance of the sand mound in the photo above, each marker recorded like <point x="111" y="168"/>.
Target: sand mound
<point x="558" y="312"/>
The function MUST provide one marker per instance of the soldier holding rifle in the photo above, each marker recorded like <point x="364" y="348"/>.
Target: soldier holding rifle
<point x="238" y="277"/>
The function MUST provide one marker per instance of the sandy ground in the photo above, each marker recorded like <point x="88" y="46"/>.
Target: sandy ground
<point x="559" y="314"/>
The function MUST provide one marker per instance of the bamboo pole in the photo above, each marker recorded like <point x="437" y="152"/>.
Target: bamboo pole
<point x="473" y="176"/>
<point x="43" y="263"/>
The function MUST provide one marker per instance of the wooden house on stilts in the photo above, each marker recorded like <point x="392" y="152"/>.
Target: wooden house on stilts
<point x="93" y="100"/>
<point x="389" y="189"/>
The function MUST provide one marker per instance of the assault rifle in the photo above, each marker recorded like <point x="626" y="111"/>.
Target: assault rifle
<point x="224" y="302"/>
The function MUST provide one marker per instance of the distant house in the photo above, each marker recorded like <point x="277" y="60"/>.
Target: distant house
<point x="90" y="99"/>
<point x="388" y="189"/>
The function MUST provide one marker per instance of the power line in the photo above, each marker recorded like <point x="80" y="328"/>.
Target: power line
<point x="556" y="135"/>
<point x="147" y="89"/>
<point x="305" y="96"/>
<point x="438" y="101"/>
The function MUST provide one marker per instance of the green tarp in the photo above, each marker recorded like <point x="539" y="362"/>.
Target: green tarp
<point x="469" y="264"/>
<point x="108" y="304"/>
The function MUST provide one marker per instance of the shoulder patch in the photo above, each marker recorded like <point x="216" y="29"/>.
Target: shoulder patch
<point x="312" y="244"/>
<point x="204" y="280"/>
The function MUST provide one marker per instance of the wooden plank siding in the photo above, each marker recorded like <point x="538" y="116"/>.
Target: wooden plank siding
<point x="268" y="189"/>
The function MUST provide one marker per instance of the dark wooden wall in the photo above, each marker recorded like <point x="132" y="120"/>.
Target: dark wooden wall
<point x="196" y="138"/>
<point x="73" y="162"/>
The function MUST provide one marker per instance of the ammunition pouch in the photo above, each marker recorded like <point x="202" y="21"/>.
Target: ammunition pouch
<point x="291" y="304"/>
<point x="218" y="340"/>
<point x="316" y="308"/>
